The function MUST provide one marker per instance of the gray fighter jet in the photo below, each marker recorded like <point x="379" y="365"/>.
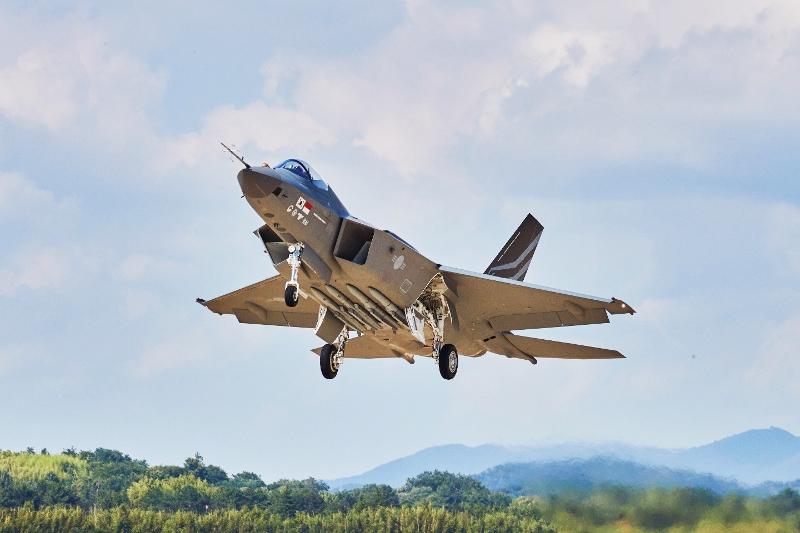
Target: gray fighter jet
<point x="370" y="294"/>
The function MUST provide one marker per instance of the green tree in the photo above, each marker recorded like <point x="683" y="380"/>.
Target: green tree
<point x="783" y="503"/>
<point x="210" y="473"/>
<point x="451" y="491"/>
<point x="289" y="497"/>
<point x="184" y="493"/>
<point x="110" y="473"/>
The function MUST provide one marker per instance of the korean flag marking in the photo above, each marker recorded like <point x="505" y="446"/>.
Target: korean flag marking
<point x="304" y="206"/>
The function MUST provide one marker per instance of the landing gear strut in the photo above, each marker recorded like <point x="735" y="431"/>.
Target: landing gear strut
<point x="433" y="308"/>
<point x="291" y="295"/>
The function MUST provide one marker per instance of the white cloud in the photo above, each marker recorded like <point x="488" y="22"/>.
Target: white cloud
<point x="14" y="356"/>
<point x="782" y="223"/>
<point x="20" y="197"/>
<point x="578" y="54"/>
<point x="259" y="125"/>
<point x="195" y="347"/>
<point x="138" y="266"/>
<point x="35" y="90"/>
<point x="138" y="303"/>
<point x="777" y="365"/>
<point x="65" y="76"/>
<point x="627" y="81"/>
<point x="46" y="268"/>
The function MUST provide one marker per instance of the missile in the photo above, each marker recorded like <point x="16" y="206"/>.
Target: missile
<point x="379" y="313"/>
<point x="387" y="304"/>
<point x="354" y="309"/>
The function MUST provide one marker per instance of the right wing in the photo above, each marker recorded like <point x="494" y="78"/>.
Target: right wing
<point x="263" y="303"/>
<point x="493" y="307"/>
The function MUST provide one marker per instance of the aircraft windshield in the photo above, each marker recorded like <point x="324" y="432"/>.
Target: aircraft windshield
<point x="304" y="170"/>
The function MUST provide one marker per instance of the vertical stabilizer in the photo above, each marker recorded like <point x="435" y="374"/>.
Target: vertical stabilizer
<point x="515" y="257"/>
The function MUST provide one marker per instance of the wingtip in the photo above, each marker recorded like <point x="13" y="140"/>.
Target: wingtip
<point x="620" y="307"/>
<point x="201" y="301"/>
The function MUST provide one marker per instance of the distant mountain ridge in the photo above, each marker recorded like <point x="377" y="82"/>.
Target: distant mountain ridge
<point x="752" y="457"/>
<point x="586" y="475"/>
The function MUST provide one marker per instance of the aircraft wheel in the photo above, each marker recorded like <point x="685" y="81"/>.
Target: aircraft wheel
<point x="291" y="295"/>
<point x="327" y="362"/>
<point x="448" y="361"/>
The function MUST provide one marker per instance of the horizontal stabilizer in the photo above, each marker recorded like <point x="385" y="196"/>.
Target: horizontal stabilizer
<point x="515" y="257"/>
<point x="541" y="348"/>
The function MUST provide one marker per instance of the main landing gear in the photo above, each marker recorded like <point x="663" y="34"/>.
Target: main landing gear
<point x="329" y="362"/>
<point x="291" y="295"/>
<point x="433" y="308"/>
<point x="448" y="361"/>
<point x="331" y="356"/>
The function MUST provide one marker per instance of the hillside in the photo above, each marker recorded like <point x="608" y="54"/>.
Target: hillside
<point x="751" y="457"/>
<point x="107" y="490"/>
<point x="456" y="458"/>
<point x="586" y="475"/>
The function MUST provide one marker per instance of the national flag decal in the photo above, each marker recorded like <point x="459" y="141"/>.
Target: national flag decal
<point x="304" y="206"/>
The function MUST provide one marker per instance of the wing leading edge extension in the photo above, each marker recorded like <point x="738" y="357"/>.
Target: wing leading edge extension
<point x="496" y="306"/>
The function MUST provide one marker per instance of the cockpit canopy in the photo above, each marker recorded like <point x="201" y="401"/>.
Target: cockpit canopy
<point x="304" y="170"/>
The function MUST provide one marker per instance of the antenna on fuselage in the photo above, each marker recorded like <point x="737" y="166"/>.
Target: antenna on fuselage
<point x="237" y="156"/>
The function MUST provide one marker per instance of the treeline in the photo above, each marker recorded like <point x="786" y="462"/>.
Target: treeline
<point x="106" y="490"/>
<point x="104" y="479"/>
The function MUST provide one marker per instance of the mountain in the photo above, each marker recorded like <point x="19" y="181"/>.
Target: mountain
<point x="454" y="458"/>
<point x="585" y="475"/>
<point x="751" y="457"/>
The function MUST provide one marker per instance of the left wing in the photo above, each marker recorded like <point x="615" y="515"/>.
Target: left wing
<point x="263" y="303"/>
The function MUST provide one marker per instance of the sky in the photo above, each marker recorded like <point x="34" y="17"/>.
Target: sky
<point x="658" y="144"/>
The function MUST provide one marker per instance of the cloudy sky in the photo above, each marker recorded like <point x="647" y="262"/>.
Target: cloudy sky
<point x="658" y="143"/>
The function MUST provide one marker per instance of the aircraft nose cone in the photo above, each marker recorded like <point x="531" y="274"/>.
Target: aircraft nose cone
<point x="257" y="183"/>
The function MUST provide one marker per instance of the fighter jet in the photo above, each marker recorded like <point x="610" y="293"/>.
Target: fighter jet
<point x="370" y="294"/>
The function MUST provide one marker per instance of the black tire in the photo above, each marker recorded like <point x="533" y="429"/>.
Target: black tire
<point x="329" y="371"/>
<point x="291" y="296"/>
<point x="448" y="361"/>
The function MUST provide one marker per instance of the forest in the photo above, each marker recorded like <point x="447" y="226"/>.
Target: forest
<point x="107" y="490"/>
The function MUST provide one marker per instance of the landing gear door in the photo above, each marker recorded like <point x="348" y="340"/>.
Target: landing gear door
<point x="403" y="271"/>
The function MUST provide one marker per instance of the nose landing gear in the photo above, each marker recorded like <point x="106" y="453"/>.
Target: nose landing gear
<point x="291" y="295"/>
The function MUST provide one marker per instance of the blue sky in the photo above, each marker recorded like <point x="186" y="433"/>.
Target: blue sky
<point x="657" y="143"/>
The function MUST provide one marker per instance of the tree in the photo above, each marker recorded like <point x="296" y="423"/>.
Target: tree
<point x="196" y="467"/>
<point x="366" y="497"/>
<point x="110" y="474"/>
<point x="451" y="491"/>
<point x="289" y="497"/>
<point x="183" y="493"/>
<point x="783" y="503"/>
<point x="245" y="480"/>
